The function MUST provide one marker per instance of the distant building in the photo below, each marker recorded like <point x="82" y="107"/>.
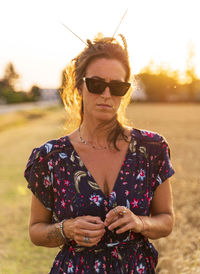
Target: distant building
<point x="139" y="91"/>
<point x="50" y="95"/>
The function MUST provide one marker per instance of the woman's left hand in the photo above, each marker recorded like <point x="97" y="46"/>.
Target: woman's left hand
<point x="124" y="219"/>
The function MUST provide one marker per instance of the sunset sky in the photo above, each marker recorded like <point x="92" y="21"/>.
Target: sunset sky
<point x="33" y="38"/>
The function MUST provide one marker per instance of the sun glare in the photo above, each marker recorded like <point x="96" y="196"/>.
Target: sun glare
<point x="158" y="31"/>
<point x="162" y="35"/>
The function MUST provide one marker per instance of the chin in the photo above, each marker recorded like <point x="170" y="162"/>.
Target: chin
<point x="103" y="117"/>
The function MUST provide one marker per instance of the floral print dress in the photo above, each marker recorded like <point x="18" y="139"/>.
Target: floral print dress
<point x="59" y="179"/>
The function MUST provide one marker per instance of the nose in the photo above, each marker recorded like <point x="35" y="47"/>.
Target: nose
<point x="106" y="93"/>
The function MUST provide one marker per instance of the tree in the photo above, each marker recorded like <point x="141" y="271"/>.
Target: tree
<point x="35" y="93"/>
<point x="10" y="76"/>
<point x="158" y="86"/>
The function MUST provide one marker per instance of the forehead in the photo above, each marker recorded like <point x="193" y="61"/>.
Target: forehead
<point x="107" y="69"/>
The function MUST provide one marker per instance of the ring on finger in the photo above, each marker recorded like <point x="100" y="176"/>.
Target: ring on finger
<point x="124" y="211"/>
<point x="86" y="239"/>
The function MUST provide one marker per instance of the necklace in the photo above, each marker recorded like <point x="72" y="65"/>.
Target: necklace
<point x="86" y="143"/>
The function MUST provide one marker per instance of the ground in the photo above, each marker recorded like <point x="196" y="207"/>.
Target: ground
<point x="22" y="131"/>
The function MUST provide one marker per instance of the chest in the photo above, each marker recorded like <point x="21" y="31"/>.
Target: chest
<point x="104" y="166"/>
<point x="122" y="174"/>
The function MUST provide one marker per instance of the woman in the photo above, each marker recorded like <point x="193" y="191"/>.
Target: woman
<point x="104" y="189"/>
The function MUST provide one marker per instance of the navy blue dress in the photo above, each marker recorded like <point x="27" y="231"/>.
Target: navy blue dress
<point x="59" y="179"/>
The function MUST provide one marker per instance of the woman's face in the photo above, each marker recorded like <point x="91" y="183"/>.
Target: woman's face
<point x="102" y="106"/>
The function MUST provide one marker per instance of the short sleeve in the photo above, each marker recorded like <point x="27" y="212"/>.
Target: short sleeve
<point x="164" y="169"/>
<point x="38" y="174"/>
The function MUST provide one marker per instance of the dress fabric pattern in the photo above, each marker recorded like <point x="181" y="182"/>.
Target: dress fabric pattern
<point x="59" y="179"/>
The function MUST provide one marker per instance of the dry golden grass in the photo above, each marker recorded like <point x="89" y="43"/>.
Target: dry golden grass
<point x="179" y="252"/>
<point x="180" y="124"/>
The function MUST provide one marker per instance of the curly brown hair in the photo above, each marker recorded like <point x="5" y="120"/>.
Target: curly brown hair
<point x="100" y="47"/>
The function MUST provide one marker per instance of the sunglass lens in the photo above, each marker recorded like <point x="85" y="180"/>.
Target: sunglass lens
<point x="95" y="85"/>
<point x="119" y="88"/>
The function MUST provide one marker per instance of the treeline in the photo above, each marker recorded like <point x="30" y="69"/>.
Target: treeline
<point x="153" y="84"/>
<point x="161" y="86"/>
<point x="8" y="92"/>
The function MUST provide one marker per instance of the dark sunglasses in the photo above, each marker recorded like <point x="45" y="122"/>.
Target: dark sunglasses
<point x="97" y="86"/>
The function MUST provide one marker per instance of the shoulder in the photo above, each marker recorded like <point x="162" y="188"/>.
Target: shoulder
<point x="152" y="142"/>
<point x="148" y="137"/>
<point x="46" y="150"/>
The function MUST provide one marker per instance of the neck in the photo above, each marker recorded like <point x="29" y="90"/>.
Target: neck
<point x="93" y="135"/>
<point x="96" y="132"/>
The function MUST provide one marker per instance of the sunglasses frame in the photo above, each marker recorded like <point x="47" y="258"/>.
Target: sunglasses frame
<point x="111" y="85"/>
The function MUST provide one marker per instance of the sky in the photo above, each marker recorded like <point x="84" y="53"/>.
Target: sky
<point x="33" y="38"/>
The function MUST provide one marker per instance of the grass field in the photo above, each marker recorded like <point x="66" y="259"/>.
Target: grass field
<point x="22" y="131"/>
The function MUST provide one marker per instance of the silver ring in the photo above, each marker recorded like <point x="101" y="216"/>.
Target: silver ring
<point x="86" y="239"/>
<point x="124" y="211"/>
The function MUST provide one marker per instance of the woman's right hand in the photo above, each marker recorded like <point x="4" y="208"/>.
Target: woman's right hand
<point x="84" y="230"/>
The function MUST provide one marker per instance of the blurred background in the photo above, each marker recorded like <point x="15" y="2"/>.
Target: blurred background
<point x="162" y="37"/>
<point x="164" y="47"/>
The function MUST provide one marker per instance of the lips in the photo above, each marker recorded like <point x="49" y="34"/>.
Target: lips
<point x="104" y="105"/>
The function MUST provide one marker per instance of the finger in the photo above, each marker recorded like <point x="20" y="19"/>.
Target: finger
<point x="118" y="211"/>
<point x="109" y="222"/>
<point x="80" y="240"/>
<point x="85" y="224"/>
<point x="112" y="217"/>
<point x="92" y="219"/>
<point x="118" y="223"/>
<point x="122" y="229"/>
<point x="91" y="233"/>
<point x="130" y="224"/>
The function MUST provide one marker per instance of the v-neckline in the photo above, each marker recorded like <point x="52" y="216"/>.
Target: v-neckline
<point x="91" y="176"/>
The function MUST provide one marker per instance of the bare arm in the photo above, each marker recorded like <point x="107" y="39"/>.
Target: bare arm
<point x="43" y="233"/>
<point x="161" y="222"/>
<point x="158" y="225"/>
